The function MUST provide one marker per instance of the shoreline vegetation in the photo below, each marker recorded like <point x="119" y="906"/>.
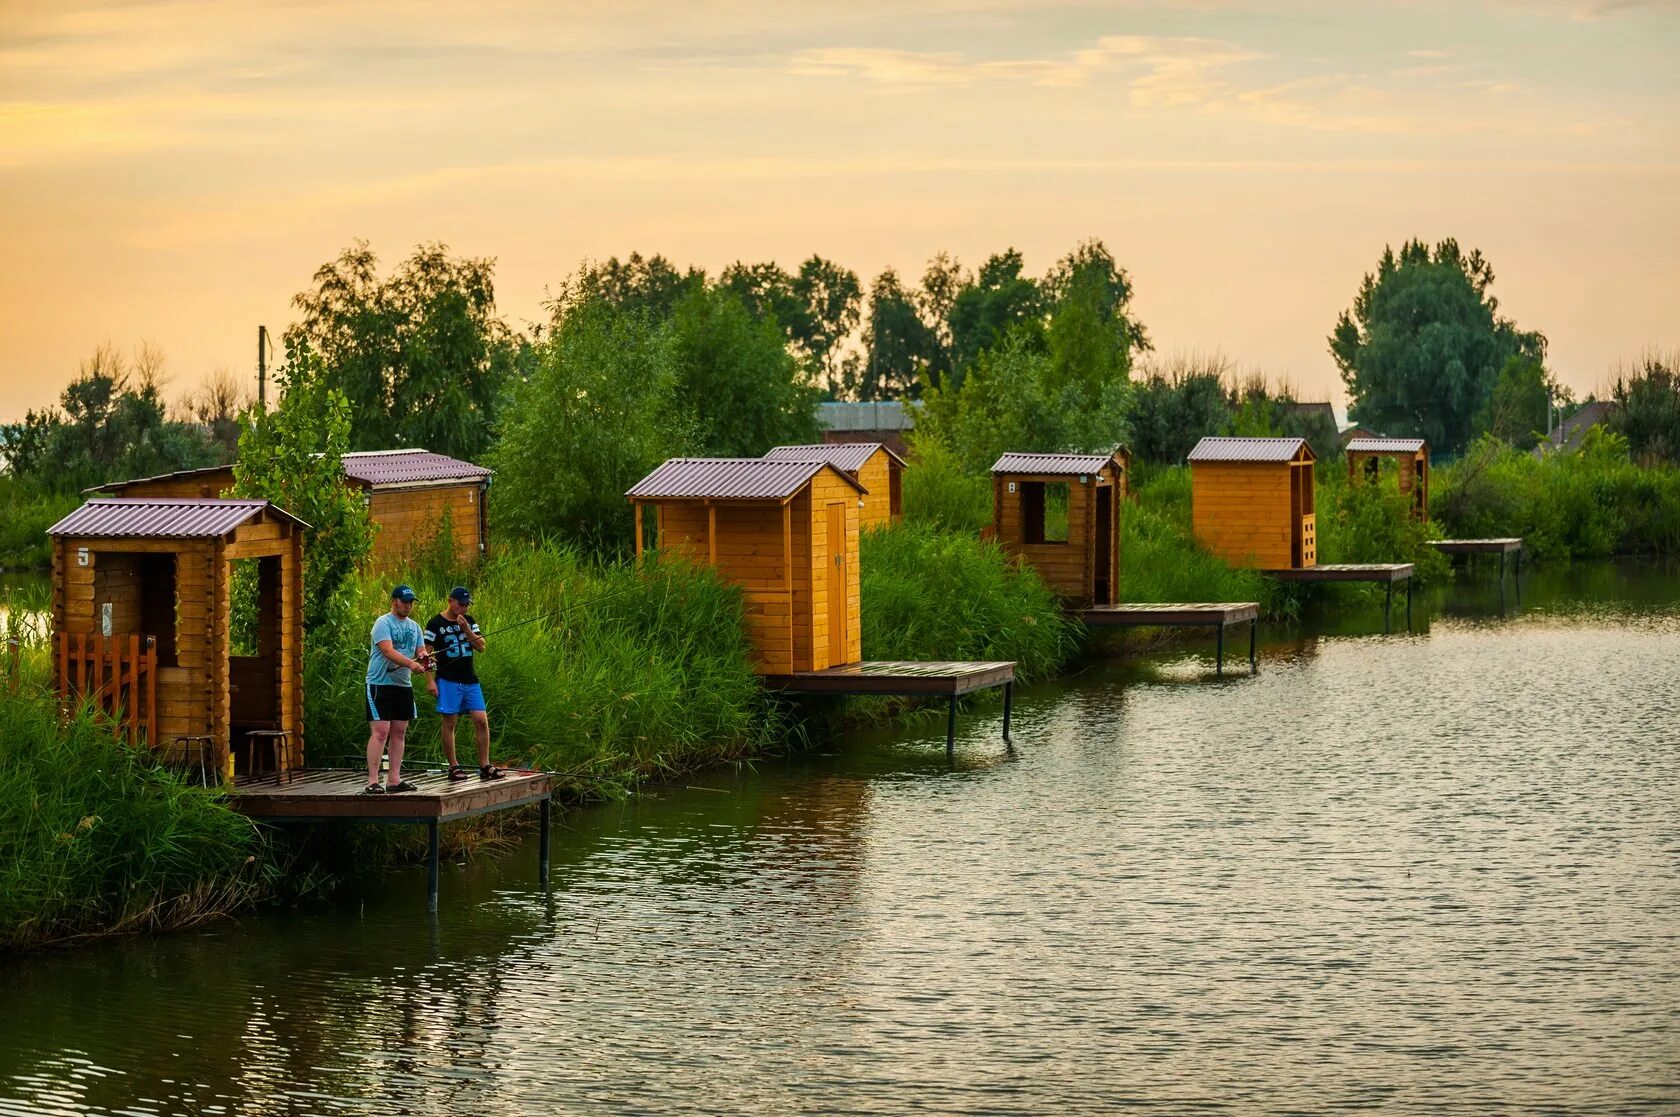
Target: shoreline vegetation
<point x="611" y="674"/>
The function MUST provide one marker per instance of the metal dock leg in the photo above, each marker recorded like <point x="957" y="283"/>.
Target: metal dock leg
<point x="951" y="731"/>
<point x="1253" y="664"/>
<point x="1409" y="604"/>
<point x="1388" y="604"/>
<point x="1008" y="696"/>
<point x="1502" y="568"/>
<point x="542" y="844"/>
<point x="1219" y="651"/>
<point x="432" y="866"/>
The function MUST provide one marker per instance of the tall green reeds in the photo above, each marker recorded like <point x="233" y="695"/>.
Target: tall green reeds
<point x="96" y="839"/>
<point x="599" y="671"/>
<point x="934" y="594"/>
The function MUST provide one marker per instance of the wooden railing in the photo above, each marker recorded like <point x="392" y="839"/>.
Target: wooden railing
<point x="117" y="674"/>
<point x="1309" y="540"/>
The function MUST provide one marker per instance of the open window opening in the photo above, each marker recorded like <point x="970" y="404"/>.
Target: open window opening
<point x="254" y="647"/>
<point x="1044" y="511"/>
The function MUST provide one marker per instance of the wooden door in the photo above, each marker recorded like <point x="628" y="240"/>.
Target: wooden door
<point x="836" y="583"/>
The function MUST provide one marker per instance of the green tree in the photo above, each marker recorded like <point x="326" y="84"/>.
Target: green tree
<point x="1175" y="406"/>
<point x="1423" y="344"/>
<point x="942" y="281"/>
<point x="1647" y="412"/>
<point x="1516" y="408"/>
<point x="651" y="286"/>
<point x="899" y="347"/>
<point x="600" y="410"/>
<point x="292" y="456"/>
<point x="832" y="299"/>
<point x="767" y="291"/>
<point x="999" y="299"/>
<point x="421" y="356"/>
<point x="746" y="391"/>
<point x="1091" y="338"/>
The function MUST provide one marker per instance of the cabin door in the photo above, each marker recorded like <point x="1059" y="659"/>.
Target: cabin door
<point x="836" y="584"/>
<point x="1297" y="510"/>
<point x="1102" y="590"/>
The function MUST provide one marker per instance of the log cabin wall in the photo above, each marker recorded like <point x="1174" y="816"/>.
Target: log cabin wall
<point x="1240" y="511"/>
<point x="409" y="519"/>
<point x="882" y="504"/>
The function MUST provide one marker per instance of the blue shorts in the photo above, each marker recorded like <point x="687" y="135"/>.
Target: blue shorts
<point x="459" y="698"/>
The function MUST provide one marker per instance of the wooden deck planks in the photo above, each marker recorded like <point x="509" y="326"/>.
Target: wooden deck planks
<point x="1477" y="546"/>
<point x="899" y="678"/>
<point x="1346" y="572"/>
<point x="324" y="793"/>
<point x="1170" y="614"/>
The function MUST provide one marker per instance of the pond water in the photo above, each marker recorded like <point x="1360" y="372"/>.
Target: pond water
<point x="1411" y="874"/>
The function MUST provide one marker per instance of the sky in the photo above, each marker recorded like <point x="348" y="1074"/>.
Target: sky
<point x="174" y="172"/>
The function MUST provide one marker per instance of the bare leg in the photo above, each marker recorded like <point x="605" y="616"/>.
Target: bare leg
<point x="394" y="748"/>
<point x="446" y="730"/>
<point x="481" y="729"/>
<point x="377" y="734"/>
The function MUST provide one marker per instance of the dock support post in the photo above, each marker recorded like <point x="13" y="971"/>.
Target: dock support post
<point x="1253" y="628"/>
<point x="1008" y="700"/>
<point x="542" y="842"/>
<point x="1388" y="604"/>
<point x="951" y="730"/>
<point x="432" y="866"/>
<point x="1409" y="604"/>
<point x="1219" y="651"/>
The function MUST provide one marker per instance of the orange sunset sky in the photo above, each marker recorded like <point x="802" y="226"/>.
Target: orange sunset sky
<point x="174" y="172"/>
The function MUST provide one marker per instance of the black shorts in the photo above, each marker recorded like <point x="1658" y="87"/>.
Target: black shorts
<point x="391" y="703"/>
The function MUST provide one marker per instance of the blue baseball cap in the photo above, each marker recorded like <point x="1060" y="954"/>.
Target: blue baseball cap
<point x="402" y="593"/>
<point x="461" y="594"/>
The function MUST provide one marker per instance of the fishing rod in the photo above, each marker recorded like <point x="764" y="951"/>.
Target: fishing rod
<point x="596" y="600"/>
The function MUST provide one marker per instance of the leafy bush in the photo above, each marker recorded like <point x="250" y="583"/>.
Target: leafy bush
<point x="1588" y="504"/>
<point x="934" y="594"/>
<point x="1160" y="559"/>
<point x="24" y="521"/>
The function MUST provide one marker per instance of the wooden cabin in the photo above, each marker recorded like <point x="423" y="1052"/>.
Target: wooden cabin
<point x="1411" y="457"/>
<point x="875" y="467"/>
<point x="1252" y="501"/>
<point x="1061" y="514"/>
<point x="786" y="532"/>
<point x="142" y="620"/>
<point x="408" y="493"/>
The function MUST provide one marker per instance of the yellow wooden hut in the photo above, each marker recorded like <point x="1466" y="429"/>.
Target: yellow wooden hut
<point x="1252" y="501"/>
<point x="1061" y="514"/>
<point x="877" y="468"/>
<point x="142" y="601"/>
<point x="1411" y="458"/>
<point x="785" y="531"/>
<point x="408" y="495"/>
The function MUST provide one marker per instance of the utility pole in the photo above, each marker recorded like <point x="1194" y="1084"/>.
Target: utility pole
<point x="262" y="368"/>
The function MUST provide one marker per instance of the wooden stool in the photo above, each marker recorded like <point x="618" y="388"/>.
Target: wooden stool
<point x="206" y="753"/>
<point x="281" y="739"/>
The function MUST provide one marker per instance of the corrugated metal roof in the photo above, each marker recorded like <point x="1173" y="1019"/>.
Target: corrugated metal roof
<point x="1384" y="445"/>
<point x="398" y="467"/>
<point x="730" y="479"/>
<point x="1051" y="463"/>
<point x="1247" y="449"/>
<point x="882" y="415"/>
<point x="846" y="456"/>
<point x="162" y="518"/>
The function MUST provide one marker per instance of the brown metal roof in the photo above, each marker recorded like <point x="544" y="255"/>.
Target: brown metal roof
<point x="163" y="518"/>
<point x="846" y="456"/>
<point x="731" y="479"/>
<point x="111" y="486"/>
<point x="401" y="467"/>
<point x="1248" y="449"/>
<point x="1070" y="464"/>
<point x="1384" y="445"/>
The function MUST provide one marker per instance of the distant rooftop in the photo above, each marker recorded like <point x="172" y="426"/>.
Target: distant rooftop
<point x="730" y="479"/>
<point x="846" y="456"/>
<point x="370" y="467"/>
<point x="882" y="415"/>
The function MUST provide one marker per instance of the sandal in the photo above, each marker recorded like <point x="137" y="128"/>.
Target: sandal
<point x="457" y="773"/>
<point x="490" y="772"/>
<point x="397" y="788"/>
<point x="373" y="789"/>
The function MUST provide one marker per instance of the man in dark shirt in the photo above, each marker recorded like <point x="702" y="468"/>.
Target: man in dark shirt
<point x="453" y="638"/>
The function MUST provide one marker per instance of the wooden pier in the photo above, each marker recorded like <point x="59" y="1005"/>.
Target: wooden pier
<point x="1500" y="547"/>
<point x="1217" y="615"/>
<point x="1385" y="572"/>
<point x="930" y="679"/>
<point x="335" y="794"/>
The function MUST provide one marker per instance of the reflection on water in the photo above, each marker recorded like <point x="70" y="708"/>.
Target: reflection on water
<point x="1418" y="873"/>
<point x="25" y="605"/>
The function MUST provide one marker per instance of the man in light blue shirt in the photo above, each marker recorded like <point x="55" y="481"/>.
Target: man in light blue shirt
<point x="395" y="652"/>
